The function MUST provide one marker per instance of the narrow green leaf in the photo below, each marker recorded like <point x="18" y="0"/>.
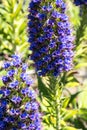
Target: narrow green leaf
<point x="17" y="11"/>
<point x="70" y="114"/>
<point x="73" y="96"/>
<point x="84" y="64"/>
<point x="44" y="91"/>
<point x="69" y="128"/>
<point x="65" y="102"/>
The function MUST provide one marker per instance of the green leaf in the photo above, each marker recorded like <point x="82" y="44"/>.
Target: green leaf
<point x="22" y="27"/>
<point x="18" y="9"/>
<point x="65" y="102"/>
<point x="84" y="64"/>
<point x="83" y="113"/>
<point x="70" y="114"/>
<point x="69" y="128"/>
<point x="73" y="96"/>
<point x="44" y="91"/>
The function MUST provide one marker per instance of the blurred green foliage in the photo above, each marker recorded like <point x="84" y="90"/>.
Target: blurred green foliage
<point x="13" y="39"/>
<point x="13" y="27"/>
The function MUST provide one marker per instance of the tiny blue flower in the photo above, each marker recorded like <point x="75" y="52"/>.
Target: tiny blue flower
<point x="31" y="94"/>
<point x="59" y="3"/>
<point x="23" y="126"/>
<point x="14" y="84"/>
<point x="12" y="111"/>
<point x="6" y="65"/>
<point x="24" y="115"/>
<point x="11" y="73"/>
<point x="29" y="81"/>
<point x="28" y="106"/>
<point x="24" y="67"/>
<point x="5" y="79"/>
<point x="7" y="92"/>
<point x="16" y="99"/>
<point x="34" y="106"/>
<point x="16" y="61"/>
<point x="23" y="76"/>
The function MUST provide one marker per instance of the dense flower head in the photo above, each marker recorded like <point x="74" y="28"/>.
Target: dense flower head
<point x="50" y="37"/>
<point x="80" y="2"/>
<point x="19" y="109"/>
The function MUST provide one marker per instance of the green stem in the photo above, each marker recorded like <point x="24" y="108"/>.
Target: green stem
<point x="56" y="86"/>
<point x="59" y="90"/>
<point x="58" y="125"/>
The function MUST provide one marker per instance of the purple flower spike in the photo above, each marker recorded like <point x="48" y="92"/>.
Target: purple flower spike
<point x="50" y="37"/>
<point x="17" y="98"/>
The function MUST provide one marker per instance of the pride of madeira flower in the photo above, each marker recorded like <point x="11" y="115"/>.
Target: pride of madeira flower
<point x="50" y="37"/>
<point x="19" y="109"/>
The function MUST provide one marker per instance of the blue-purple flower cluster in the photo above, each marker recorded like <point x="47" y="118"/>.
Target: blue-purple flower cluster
<point x="50" y="37"/>
<point x="19" y="109"/>
<point x="80" y="2"/>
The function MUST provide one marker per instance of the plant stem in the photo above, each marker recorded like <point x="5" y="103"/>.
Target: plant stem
<point x="58" y="126"/>
<point x="58" y="91"/>
<point x="58" y="108"/>
<point x="56" y="86"/>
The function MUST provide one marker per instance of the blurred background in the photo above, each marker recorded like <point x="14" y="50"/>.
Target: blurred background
<point x="14" y="39"/>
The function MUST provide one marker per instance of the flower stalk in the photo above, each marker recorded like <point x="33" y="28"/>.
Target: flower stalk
<point x="58" y="126"/>
<point x="58" y="107"/>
